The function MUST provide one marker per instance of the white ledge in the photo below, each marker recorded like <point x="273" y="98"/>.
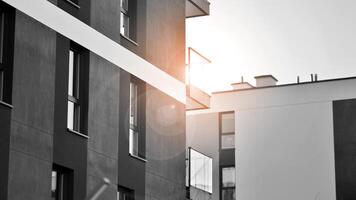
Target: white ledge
<point x="138" y="157"/>
<point x="77" y="133"/>
<point x="6" y="104"/>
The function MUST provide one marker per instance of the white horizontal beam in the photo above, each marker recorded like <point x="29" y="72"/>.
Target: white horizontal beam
<point x="55" y="18"/>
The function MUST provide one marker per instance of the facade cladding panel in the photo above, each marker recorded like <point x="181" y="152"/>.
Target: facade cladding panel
<point x="39" y="143"/>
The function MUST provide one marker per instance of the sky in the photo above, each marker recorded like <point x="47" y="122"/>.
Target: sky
<point x="285" y="38"/>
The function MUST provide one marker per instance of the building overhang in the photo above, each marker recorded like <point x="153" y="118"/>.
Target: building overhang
<point x="196" y="98"/>
<point x="196" y="8"/>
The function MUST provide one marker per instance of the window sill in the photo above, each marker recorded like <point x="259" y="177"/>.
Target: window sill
<point x="138" y="158"/>
<point x="128" y="39"/>
<point x="6" y="104"/>
<point x="73" y="4"/>
<point x="228" y="148"/>
<point x="77" y="133"/>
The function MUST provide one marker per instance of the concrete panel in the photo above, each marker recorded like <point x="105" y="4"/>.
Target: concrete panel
<point x="165" y="138"/>
<point x="33" y="75"/>
<point x="93" y="185"/>
<point x="29" y="178"/>
<point x="108" y="24"/>
<point x="31" y="141"/>
<point x="102" y="166"/>
<point x="103" y="110"/>
<point x="166" y="36"/>
<point x="285" y="152"/>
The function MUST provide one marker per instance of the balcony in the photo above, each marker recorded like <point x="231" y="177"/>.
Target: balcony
<point x="197" y="8"/>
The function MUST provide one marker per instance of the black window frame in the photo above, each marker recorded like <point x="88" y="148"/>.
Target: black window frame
<point x="222" y="134"/>
<point x="222" y="187"/>
<point x="125" y="193"/>
<point x="64" y="183"/>
<point x="79" y="96"/>
<point x="7" y="31"/>
<point x="128" y="11"/>
<point x="139" y="127"/>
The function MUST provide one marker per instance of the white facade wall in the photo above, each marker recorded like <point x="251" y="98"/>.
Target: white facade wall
<point x="285" y="152"/>
<point x="284" y="139"/>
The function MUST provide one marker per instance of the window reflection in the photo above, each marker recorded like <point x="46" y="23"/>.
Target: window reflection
<point x="228" y="183"/>
<point x="200" y="171"/>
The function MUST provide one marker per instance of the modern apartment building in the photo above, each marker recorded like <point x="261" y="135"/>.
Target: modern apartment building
<point x="93" y="89"/>
<point x="292" y="141"/>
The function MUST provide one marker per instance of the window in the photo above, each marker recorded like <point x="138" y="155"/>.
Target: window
<point x="2" y="18"/>
<point x="128" y="17"/>
<point x="125" y="194"/>
<point x="62" y="183"/>
<point x="73" y="114"/>
<point x="201" y="173"/>
<point x="227" y="124"/>
<point x="6" y="52"/>
<point x="125" y="18"/>
<point x="133" y="132"/>
<point x="228" y="183"/>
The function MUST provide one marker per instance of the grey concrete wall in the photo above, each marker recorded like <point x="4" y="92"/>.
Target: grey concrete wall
<point x="33" y="112"/>
<point x="131" y="171"/>
<point x="108" y="23"/>
<point x="103" y="109"/>
<point x="165" y="117"/>
<point x="203" y="136"/>
<point x="103" y="126"/>
<point x="165" y="139"/>
<point x="69" y="149"/>
<point x="166" y="36"/>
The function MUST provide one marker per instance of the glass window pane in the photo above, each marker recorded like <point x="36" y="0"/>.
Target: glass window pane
<point x="200" y="171"/>
<point x="70" y="115"/>
<point x="133" y="104"/>
<point x="2" y="19"/>
<point x="228" y="177"/>
<point x="133" y="142"/>
<point x="228" y="194"/>
<point x="228" y="141"/>
<point x="71" y="73"/>
<point x="1" y="85"/>
<point x="125" y="5"/>
<point x="227" y="123"/>
<point x="54" y="181"/>
<point x="124" y="24"/>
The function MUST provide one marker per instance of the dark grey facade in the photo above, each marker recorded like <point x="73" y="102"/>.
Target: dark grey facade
<point x="33" y="123"/>
<point x="345" y="140"/>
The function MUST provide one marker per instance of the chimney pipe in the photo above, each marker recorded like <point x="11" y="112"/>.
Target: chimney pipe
<point x="315" y="77"/>
<point x="298" y="79"/>
<point x="311" y="78"/>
